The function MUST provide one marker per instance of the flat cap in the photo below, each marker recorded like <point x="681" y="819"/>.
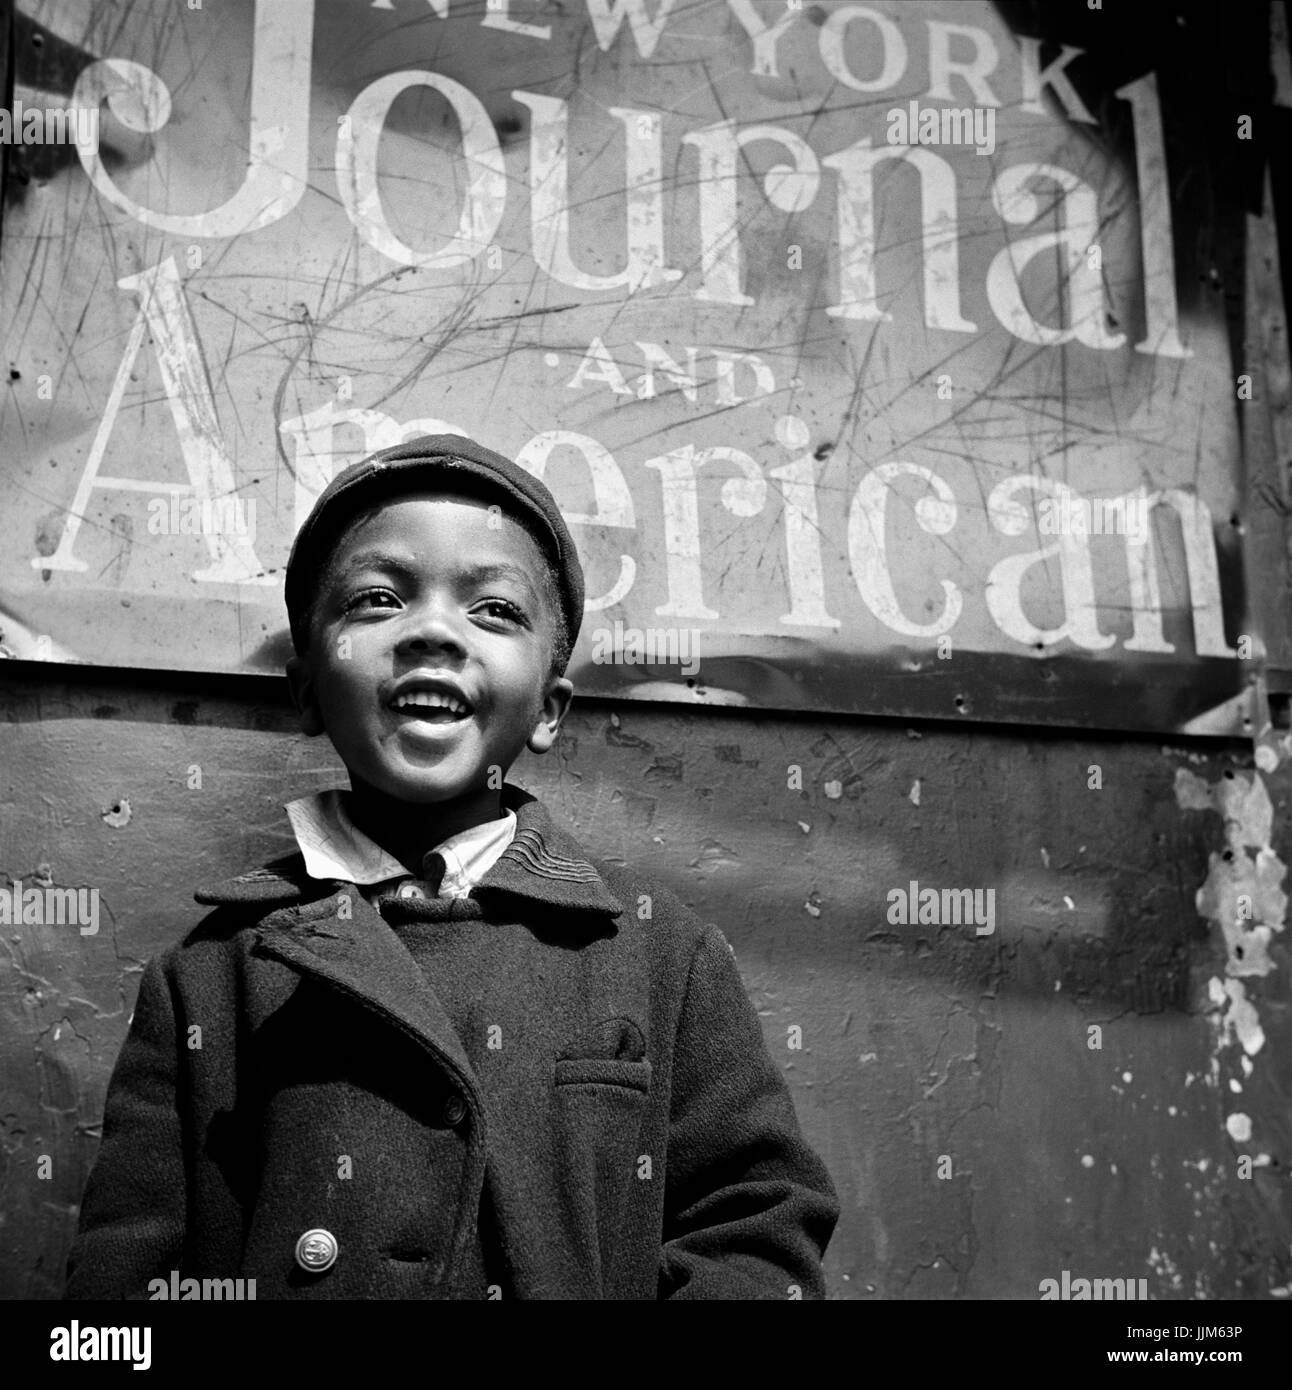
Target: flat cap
<point x="433" y="460"/>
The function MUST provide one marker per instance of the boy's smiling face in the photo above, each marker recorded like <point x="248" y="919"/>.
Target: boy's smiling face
<point x="431" y="595"/>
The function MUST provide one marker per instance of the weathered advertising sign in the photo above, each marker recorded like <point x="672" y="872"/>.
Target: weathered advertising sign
<point x="860" y="344"/>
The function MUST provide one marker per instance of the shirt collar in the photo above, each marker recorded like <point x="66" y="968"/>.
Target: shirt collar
<point x="334" y="848"/>
<point x="543" y="863"/>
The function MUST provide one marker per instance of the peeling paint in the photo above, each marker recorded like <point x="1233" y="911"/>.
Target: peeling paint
<point x="1239" y="1127"/>
<point x="1240" y="1018"/>
<point x="1241" y="892"/>
<point x="714" y="855"/>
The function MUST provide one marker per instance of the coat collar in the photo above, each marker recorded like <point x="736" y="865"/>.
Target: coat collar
<point x="543" y="864"/>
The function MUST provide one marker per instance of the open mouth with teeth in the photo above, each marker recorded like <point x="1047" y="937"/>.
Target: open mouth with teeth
<point x="431" y="706"/>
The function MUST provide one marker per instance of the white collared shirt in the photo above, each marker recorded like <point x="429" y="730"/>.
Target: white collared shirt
<point x="335" y="848"/>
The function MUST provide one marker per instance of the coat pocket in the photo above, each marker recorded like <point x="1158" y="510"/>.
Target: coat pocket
<point x="603" y="1071"/>
<point x="599" y="1106"/>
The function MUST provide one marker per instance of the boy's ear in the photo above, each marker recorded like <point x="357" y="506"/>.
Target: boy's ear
<point x="301" y="684"/>
<point x="556" y="705"/>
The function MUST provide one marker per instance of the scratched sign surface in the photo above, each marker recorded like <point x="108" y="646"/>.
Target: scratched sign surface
<point x="859" y="343"/>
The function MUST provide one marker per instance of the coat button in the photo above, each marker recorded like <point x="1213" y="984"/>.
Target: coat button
<point x="455" y="1110"/>
<point x="316" y="1251"/>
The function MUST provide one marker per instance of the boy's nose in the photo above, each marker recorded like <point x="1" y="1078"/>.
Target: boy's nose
<point x="431" y="626"/>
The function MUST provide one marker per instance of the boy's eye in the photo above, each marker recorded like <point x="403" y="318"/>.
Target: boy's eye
<point x="509" y="610"/>
<point x="367" y="596"/>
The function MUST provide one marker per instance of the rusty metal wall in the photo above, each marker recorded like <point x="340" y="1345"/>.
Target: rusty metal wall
<point x="925" y="1050"/>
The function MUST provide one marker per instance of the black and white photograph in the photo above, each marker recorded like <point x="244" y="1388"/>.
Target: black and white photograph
<point x="645" y="654"/>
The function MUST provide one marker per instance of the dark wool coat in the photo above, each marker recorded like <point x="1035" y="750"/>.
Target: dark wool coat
<point x="582" y="1107"/>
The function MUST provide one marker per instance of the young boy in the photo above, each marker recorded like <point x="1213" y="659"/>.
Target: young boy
<point x="439" y="1053"/>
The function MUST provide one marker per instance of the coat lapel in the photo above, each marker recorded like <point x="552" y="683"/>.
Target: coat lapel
<point x="354" y="950"/>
